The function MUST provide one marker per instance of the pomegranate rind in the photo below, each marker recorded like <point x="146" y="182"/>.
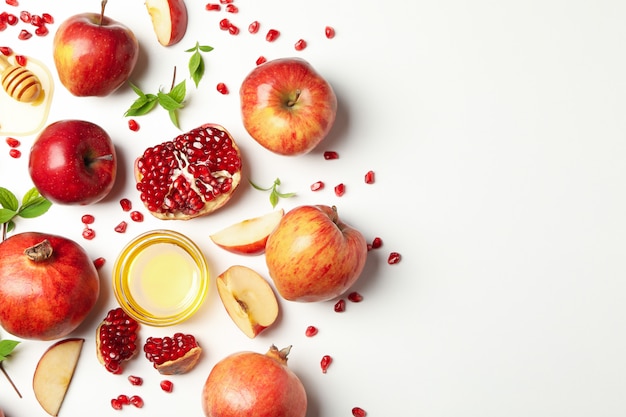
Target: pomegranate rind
<point x="162" y="211"/>
<point x="181" y="365"/>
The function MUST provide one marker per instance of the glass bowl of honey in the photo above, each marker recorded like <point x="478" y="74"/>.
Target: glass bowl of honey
<point x="161" y="278"/>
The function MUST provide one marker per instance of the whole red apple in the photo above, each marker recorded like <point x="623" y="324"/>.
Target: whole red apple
<point x="73" y="162"/>
<point x="313" y="256"/>
<point x="94" y="54"/>
<point x="250" y="384"/>
<point x="48" y="285"/>
<point x="287" y="106"/>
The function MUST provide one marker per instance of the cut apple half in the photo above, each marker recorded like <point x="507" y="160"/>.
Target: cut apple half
<point x="54" y="373"/>
<point x="248" y="298"/>
<point x="248" y="237"/>
<point x="169" y="20"/>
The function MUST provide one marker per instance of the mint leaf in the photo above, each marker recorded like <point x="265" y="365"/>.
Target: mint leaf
<point x="33" y="205"/>
<point x="31" y="195"/>
<point x="179" y="92"/>
<point x="34" y="208"/>
<point x="6" y="215"/>
<point x="196" y="62"/>
<point x="6" y="347"/>
<point x="168" y="103"/>
<point x="8" y="199"/>
<point x="275" y="195"/>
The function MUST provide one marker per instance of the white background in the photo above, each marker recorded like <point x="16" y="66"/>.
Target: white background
<point x="496" y="131"/>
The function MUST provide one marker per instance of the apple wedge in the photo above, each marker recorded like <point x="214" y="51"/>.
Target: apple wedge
<point x="248" y="298"/>
<point x="169" y="20"/>
<point x="54" y="372"/>
<point x="248" y="237"/>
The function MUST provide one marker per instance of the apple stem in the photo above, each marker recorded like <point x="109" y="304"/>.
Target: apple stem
<point x="102" y="6"/>
<point x="10" y="380"/>
<point x="173" y="79"/>
<point x="107" y="157"/>
<point x="293" y="101"/>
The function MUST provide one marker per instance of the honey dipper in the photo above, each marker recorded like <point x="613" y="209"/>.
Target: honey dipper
<point x="20" y="83"/>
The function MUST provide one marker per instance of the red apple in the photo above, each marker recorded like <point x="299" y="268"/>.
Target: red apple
<point x="313" y="256"/>
<point x="169" y="20"/>
<point x="94" y="54"/>
<point x="73" y="162"/>
<point x="48" y="285"/>
<point x="286" y="106"/>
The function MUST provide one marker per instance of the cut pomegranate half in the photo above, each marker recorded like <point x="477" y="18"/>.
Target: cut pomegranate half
<point x="116" y="340"/>
<point x="173" y="355"/>
<point x="190" y="176"/>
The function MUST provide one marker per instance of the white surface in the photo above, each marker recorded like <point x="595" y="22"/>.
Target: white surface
<point x="496" y="131"/>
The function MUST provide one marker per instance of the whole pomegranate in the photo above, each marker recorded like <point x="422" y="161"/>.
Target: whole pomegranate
<point x="48" y="285"/>
<point x="250" y="384"/>
<point x="190" y="176"/>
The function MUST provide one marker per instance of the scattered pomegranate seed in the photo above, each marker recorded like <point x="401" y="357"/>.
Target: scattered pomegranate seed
<point x="355" y="297"/>
<point x="12" y="142"/>
<point x="167" y="385"/>
<point x="137" y="401"/>
<point x="377" y="243"/>
<point x="317" y="185"/>
<point x="87" y="219"/>
<point x="21" y="60"/>
<point x="231" y="8"/>
<point x="24" y="34"/>
<point x="136" y="216"/>
<point x="12" y="2"/>
<point x="224" y="24"/>
<point x="300" y="45"/>
<point x="25" y="16"/>
<point x="12" y="19"/>
<point x="260" y="60"/>
<point x="340" y="189"/>
<point x="47" y="18"/>
<point x="123" y="399"/>
<point x="121" y="228"/>
<point x="133" y="125"/>
<point x="272" y="35"/>
<point x="37" y="20"/>
<point x="6" y="51"/>
<point x="310" y="331"/>
<point x="358" y="412"/>
<point x="328" y="155"/>
<point x="340" y="306"/>
<point x="135" y="380"/>
<point x="325" y="363"/>
<point x="213" y="7"/>
<point x="329" y="32"/>
<point x="226" y="1"/>
<point x="15" y="153"/>
<point x="221" y="87"/>
<point x="126" y="204"/>
<point x="99" y="262"/>
<point x="254" y="27"/>
<point x="116" y="404"/>
<point x="89" y="233"/>
<point x="369" y="177"/>
<point x="394" y="258"/>
<point x="233" y="30"/>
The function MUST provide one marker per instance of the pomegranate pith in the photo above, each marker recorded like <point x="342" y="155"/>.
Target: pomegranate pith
<point x="172" y="355"/>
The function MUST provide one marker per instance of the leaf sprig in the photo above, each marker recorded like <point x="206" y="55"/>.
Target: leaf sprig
<point x="171" y="102"/>
<point x="275" y="195"/>
<point x="196" y="62"/>
<point x="33" y="205"/>
<point x="6" y="347"/>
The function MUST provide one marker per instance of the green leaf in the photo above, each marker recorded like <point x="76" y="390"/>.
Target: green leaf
<point x="10" y="226"/>
<point x="142" y="105"/>
<point x="259" y="187"/>
<point x="8" y="200"/>
<point x="194" y="62"/>
<point x="31" y="195"/>
<point x="179" y="92"/>
<point x="35" y="208"/>
<point x="273" y="199"/>
<point x="205" y="48"/>
<point x="137" y="90"/>
<point x="275" y="195"/>
<point x="6" y="215"/>
<point x="174" y="118"/>
<point x="6" y="347"/>
<point x="168" y="103"/>
<point x="198" y="73"/>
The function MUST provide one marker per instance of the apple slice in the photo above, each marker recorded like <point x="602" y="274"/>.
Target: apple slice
<point x="54" y="372"/>
<point x="169" y="20"/>
<point x="248" y="299"/>
<point x="248" y="237"/>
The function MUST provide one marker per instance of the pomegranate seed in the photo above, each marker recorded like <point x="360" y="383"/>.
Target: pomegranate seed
<point x="123" y="399"/>
<point x="6" y="51"/>
<point x="310" y="331"/>
<point x="126" y="204"/>
<point x="221" y="87"/>
<point x="213" y="7"/>
<point x="24" y="34"/>
<point x="37" y="20"/>
<point x="167" y="385"/>
<point x="355" y="297"/>
<point x="377" y="243"/>
<point x="12" y="19"/>
<point x="358" y="412"/>
<point x="12" y="2"/>
<point x="99" y="262"/>
<point x="137" y="401"/>
<point x="300" y="45"/>
<point x="369" y="177"/>
<point x="329" y="32"/>
<point x="3" y="25"/>
<point x="15" y="153"/>
<point x="233" y="30"/>
<point x="136" y="216"/>
<point x="47" y="18"/>
<point x="224" y="24"/>
<point x="21" y="60"/>
<point x="87" y="219"/>
<point x="116" y="404"/>
<point x="226" y="1"/>
<point x="133" y="125"/>
<point x="316" y="186"/>
<point x="121" y="228"/>
<point x="325" y="363"/>
<point x="328" y="155"/>
<point x="340" y="189"/>
<point x="89" y="233"/>
<point x="135" y="380"/>
<point x="260" y="60"/>
<point x="272" y="35"/>
<point x="12" y="142"/>
<point x="231" y="8"/>
<point x="254" y="27"/>
<point x="394" y="258"/>
<point x="25" y="16"/>
<point x="340" y="306"/>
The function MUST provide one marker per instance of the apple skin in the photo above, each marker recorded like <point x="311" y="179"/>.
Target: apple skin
<point x="286" y="106"/>
<point x="73" y="162"/>
<point x="94" y="59"/>
<point x="169" y="20"/>
<point x="49" y="298"/>
<point x="313" y="256"/>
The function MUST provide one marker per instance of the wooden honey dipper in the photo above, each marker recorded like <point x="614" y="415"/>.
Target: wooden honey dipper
<point x="20" y="83"/>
